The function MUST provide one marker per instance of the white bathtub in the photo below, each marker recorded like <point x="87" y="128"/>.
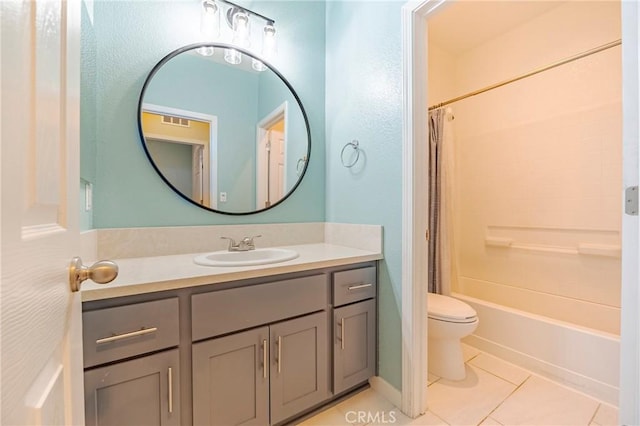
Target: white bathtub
<point x="584" y="359"/>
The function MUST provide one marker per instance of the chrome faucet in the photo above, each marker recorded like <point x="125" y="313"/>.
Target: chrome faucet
<point x="245" y="244"/>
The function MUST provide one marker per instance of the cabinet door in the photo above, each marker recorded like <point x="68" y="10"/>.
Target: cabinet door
<point x="231" y="380"/>
<point x="354" y="344"/>
<point x="300" y="364"/>
<point x="144" y="391"/>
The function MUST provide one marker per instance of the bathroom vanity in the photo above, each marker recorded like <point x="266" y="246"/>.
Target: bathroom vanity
<point x="261" y="350"/>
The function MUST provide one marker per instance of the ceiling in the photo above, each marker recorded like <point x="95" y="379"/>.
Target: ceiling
<point x="458" y="26"/>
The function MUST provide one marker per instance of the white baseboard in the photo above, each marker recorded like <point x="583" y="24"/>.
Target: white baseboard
<point x="386" y="390"/>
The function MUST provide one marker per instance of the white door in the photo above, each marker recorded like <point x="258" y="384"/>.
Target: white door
<point x="276" y="167"/>
<point x="630" y="316"/>
<point x="262" y="160"/>
<point x="40" y="323"/>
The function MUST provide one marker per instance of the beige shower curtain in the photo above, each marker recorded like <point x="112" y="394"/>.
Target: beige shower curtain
<point x="441" y="253"/>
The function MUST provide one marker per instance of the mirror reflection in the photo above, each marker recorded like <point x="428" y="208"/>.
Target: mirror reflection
<point x="226" y="137"/>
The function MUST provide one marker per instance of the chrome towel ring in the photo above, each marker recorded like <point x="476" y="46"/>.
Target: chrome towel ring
<point x="355" y="145"/>
<point x="300" y="166"/>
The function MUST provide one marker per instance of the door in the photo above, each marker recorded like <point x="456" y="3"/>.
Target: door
<point x="231" y="379"/>
<point x="276" y="165"/>
<point x="299" y="365"/>
<point x="271" y="145"/>
<point x="41" y="328"/>
<point x="354" y="344"/>
<point x="630" y="312"/>
<point x="140" y="392"/>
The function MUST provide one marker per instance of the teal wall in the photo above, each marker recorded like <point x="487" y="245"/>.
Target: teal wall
<point x="364" y="102"/>
<point x="132" y="36"/>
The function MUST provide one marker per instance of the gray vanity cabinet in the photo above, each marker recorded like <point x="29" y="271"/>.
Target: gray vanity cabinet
<point x="259" y="351"/>
<point x="142" y="392"/>
<point x="231" y="379"/>
<point x="354" y="327"/>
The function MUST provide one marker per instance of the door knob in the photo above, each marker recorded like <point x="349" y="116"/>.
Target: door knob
<point x="101" y="272"/>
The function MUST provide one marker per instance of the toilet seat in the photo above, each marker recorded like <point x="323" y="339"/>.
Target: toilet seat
<point x="445" y="308"/>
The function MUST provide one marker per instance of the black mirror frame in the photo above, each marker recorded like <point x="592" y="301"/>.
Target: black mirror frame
<point x="183" y="49"/>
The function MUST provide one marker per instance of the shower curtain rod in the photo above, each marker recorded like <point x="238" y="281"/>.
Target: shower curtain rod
<point x="529" y="74"/>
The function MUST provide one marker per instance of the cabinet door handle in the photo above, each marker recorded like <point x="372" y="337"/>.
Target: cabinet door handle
<point x="136" y="333"/>
<point x="279" y="354"/>
<point x="357" y="287"/>
<point x="342" y="333"/>
<point x="264" y="359"/>
<point x="170" y="380"/>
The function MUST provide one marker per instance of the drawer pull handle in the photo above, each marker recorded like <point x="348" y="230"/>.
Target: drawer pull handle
<point x="264" y="358"/>
<point x="170" y="378"/>
<point x="279" y="353"/>
<point x="342" y="333"/>
<point x="358" y="287"/>
<point x="116" y="337"/>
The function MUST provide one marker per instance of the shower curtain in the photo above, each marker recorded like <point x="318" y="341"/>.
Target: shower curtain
<point x="441" y="253"/>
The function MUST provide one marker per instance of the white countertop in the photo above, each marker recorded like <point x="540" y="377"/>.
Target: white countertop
<point x="150" y="274"/>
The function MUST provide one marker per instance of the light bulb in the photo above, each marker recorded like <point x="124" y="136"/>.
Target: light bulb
<point x="210" y="20"/>
<point x="269" y="41"/>
<point x="258" y="65"/>
<point x="232" y="56"/>
<point x="241" y="30"/>
<point x="205" y="50"/>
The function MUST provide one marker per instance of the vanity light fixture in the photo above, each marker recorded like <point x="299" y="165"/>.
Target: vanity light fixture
<point x="239" y="20"/>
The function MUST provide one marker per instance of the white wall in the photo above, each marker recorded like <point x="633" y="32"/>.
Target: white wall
<point x="539" y="164"/>
<point x="442" y="74"/>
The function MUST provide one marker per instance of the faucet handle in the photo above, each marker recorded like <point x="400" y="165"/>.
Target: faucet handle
<point x="232" y="242"/>
<point x="248" y="243"/>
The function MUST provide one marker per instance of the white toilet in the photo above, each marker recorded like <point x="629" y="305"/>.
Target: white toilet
<point x="449" y="321"/>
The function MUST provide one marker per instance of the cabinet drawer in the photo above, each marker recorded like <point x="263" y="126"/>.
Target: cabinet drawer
<point x="224" y="311"/>
<point x="354" y="285"/>
<point x="124" y="331"/>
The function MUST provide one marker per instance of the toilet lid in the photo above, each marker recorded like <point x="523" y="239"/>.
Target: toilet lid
<point x="447" y="308"/>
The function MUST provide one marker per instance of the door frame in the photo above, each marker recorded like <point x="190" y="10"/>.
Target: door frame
<point x="415" y="200"/>
<point x="415" y="203"/>
<point x="213" y="141"/>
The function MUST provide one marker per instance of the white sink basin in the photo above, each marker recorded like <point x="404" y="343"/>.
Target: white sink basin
<point x="262" y="256"/>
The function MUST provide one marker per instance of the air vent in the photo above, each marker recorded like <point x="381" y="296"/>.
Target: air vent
<point x="175" y="121"/>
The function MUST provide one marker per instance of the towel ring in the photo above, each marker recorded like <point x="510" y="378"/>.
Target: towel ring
<point x="355" y="145"/>
<point x="301" y="162"/>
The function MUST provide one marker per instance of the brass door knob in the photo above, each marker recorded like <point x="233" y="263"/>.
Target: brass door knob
<point x="101" y="272"/>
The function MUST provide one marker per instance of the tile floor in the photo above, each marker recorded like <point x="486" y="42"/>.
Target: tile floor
<point x="494" y="392"/>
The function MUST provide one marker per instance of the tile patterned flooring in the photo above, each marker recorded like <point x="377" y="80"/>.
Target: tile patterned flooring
<point x="494" y="392"/>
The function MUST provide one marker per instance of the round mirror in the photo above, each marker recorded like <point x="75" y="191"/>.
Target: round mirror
<point x="224" y="130"/>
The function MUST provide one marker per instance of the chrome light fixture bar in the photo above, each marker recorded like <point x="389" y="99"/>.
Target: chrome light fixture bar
<point x="239" y="20"/>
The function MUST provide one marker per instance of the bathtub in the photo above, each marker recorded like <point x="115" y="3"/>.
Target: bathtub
<point x="581" y="358"/>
